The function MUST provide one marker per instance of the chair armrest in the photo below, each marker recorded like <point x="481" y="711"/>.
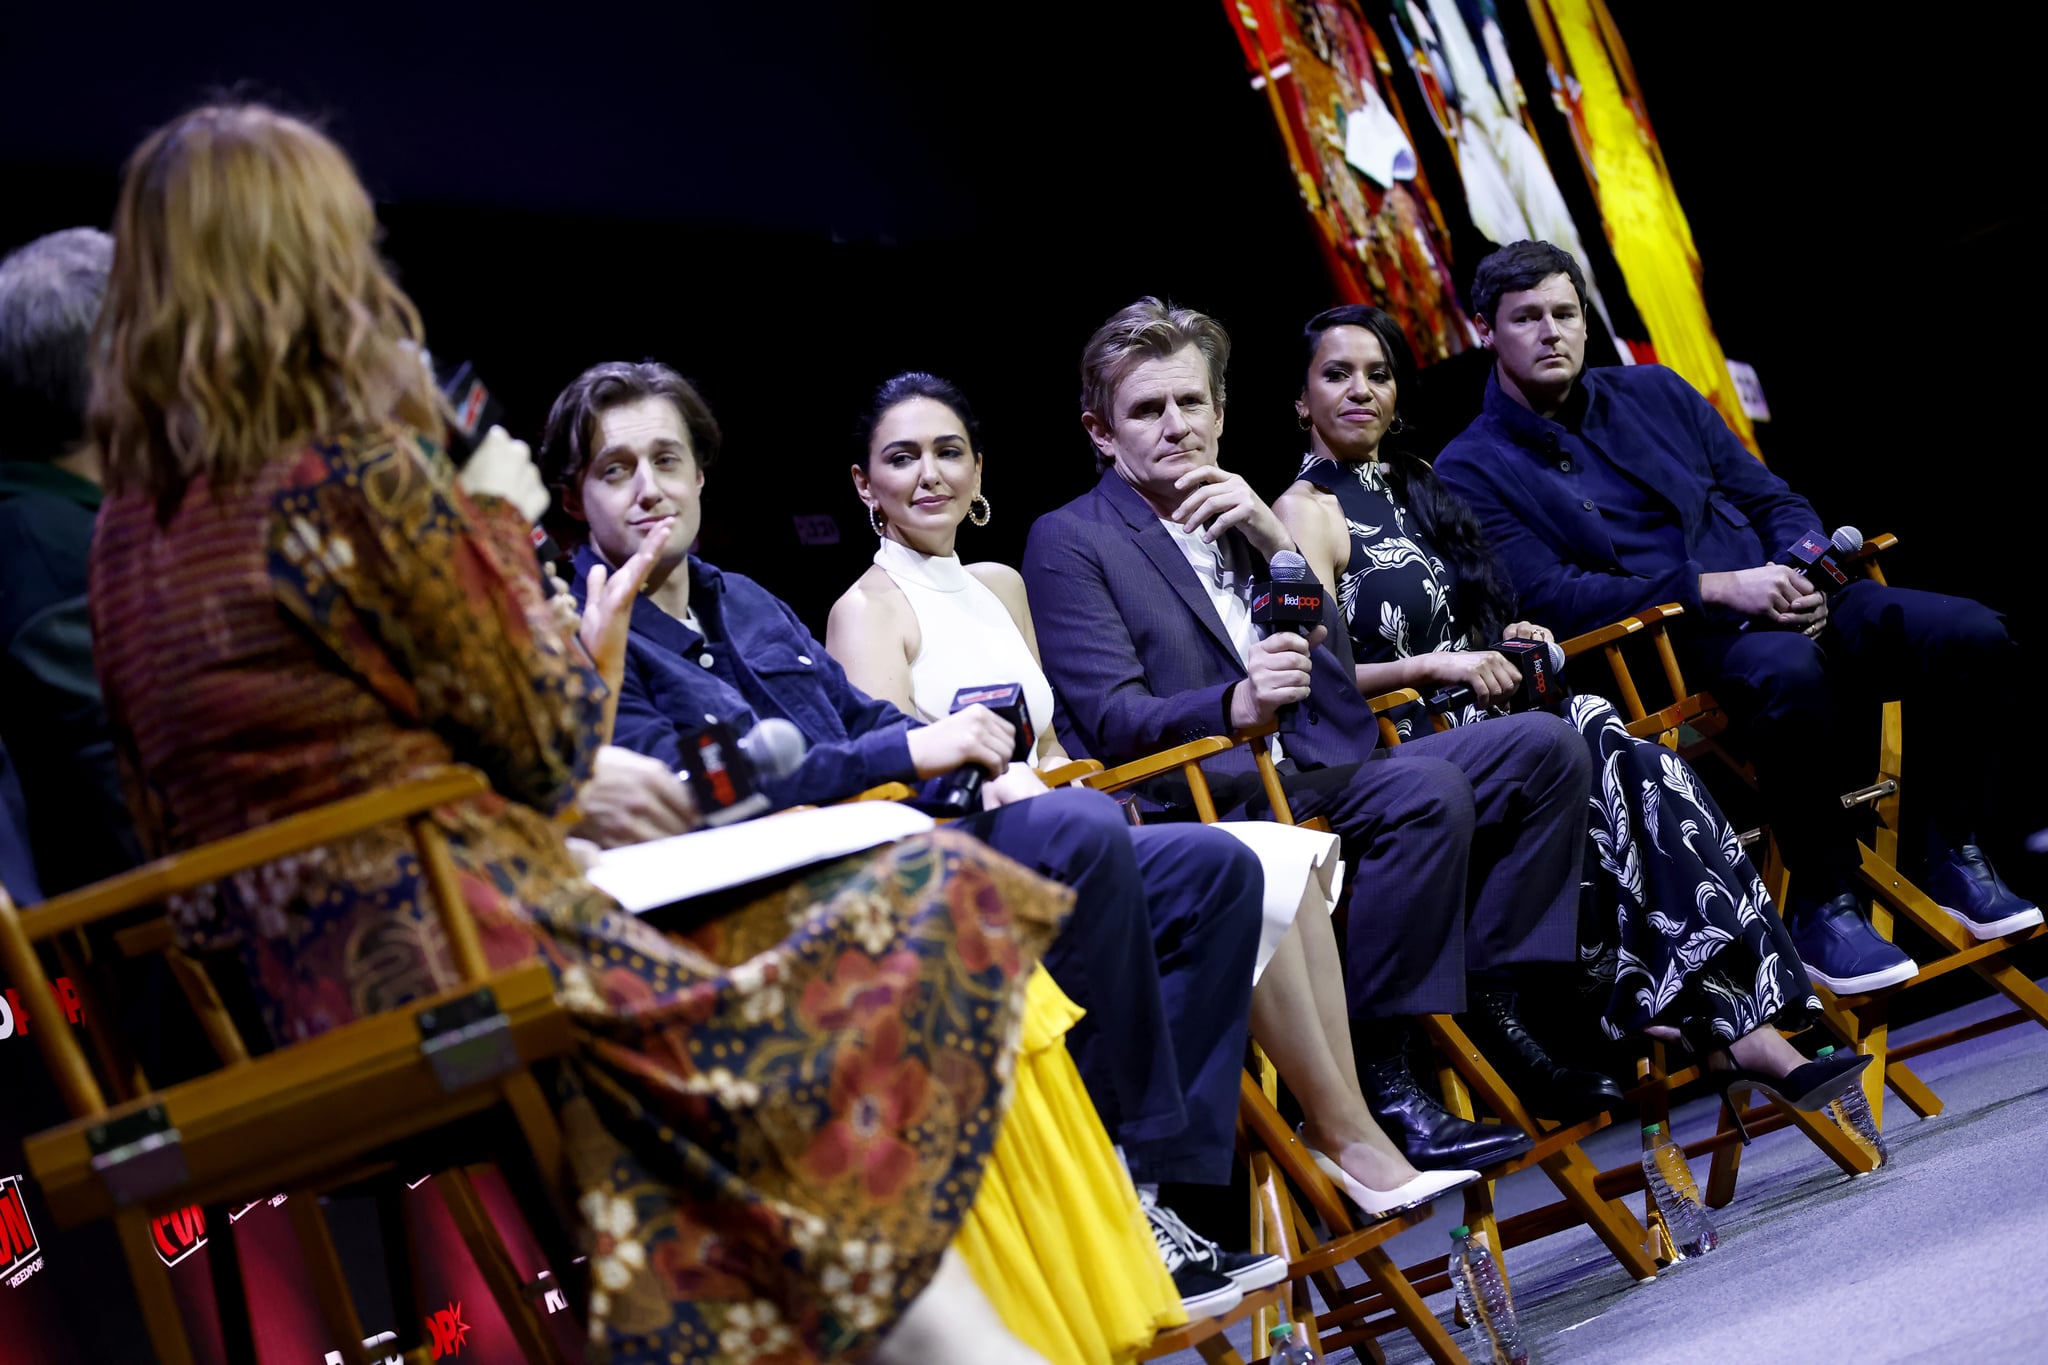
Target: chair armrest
<point x="888" y="791"/>
<point x="1657" y="616"/>
<point x="166" y="877"/>
<point x="1874" y="546"/>
<point x="1069" y="773"/>
<point x="1165" y="761"/>
<point x="1387" y="701"/>
<point x="1605" y="635"/>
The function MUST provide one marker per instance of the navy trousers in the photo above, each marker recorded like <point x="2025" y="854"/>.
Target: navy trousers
<point x="1159" y="950"/>
<point x="1806" y="706"/>
<point x="1462" y="851"/>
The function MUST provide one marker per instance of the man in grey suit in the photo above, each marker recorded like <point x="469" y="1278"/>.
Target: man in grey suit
<point x="1464" y="847"/>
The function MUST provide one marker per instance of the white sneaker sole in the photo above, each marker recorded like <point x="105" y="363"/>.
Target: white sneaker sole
<point x="2011" y="924"/>
<point x="1213" y="1304"/>
<point x="1260" y="1274"/>
<point x="1869" y="981"/>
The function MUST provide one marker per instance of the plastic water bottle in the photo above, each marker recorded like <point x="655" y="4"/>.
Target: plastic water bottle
<point x="1495" y="1339"/>
<point x="1851" y="1112"/>
<point x="1290" y="1346"/>
<point x="1678" y="1198"/>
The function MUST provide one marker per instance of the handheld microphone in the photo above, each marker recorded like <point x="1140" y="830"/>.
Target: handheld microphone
<point x="471" y="413"/>
<point x="1814" y="559"/>
<point x="1289" y="600"/>
<point x="959" y="792"/>
<point x="1541" y="663"/>
<point x="726" y="771"/>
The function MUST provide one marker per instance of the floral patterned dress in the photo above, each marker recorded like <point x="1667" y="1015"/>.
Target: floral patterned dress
<point x="1675" y="926"/>
<point x="787" y="1112"/>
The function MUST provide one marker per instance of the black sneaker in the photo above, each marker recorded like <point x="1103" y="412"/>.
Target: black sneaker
<point x="1248" y="1270"/>
<point x="1842" y="951"/>
<point x="1204" y="1292"/>
<point x="1969" y="891"/>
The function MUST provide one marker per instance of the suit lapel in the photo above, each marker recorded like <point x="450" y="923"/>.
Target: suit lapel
<point x="1157" y="544"/>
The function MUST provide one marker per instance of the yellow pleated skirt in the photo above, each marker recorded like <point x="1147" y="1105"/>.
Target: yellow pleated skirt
<point x="1056" y="1238"/>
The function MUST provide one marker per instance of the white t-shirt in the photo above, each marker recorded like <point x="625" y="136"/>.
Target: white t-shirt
<point x="1223" y="589"/>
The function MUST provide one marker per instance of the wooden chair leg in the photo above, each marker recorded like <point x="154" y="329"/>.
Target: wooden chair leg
<point x="401" y="1270"/>
<point x="230" y="1296"/>
<point x="1270" y="1231"/>
<point x="488" y="1249"/>
<point x="1217" y="1350"/>
<point x="153" y="1291"/>
<point x="1568" y="1169"/>
<point x="1479" y="1213"/>
<point x="1408" y="1308"/>
<point x="330" y="1285"/>
<point x="1727" y="1165"/>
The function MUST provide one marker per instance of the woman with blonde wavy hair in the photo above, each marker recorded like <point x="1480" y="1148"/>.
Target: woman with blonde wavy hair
<point x="293" y="601"/>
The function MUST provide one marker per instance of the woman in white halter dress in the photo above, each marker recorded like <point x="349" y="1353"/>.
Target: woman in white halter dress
<point x="920" y="625"/>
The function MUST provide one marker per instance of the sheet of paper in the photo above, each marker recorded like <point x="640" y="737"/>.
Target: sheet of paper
<point x="644" y="877"/>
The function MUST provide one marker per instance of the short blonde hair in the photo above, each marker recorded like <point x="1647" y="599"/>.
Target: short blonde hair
<point x="1148" y="330"/>
<point x="247" y="311"/>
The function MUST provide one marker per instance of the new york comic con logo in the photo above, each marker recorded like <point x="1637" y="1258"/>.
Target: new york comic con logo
<point x="177" y="1235"/>
<point x="21" y="1254"/>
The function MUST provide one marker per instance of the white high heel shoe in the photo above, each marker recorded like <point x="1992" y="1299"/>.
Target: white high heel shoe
<point x="1426" y="1185"/>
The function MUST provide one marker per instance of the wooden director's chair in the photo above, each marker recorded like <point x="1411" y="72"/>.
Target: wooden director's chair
<point x="1691" y="724"/>
<point x="1263" y="1307"/>
<point x="424" y="1086"/>
<point x="1390" y="1298"/>
<point x="1654" y="1079"/>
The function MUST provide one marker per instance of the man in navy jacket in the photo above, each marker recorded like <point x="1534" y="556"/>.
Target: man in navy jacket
<point x="1160" y="946"/>
<point x="1609" y="491"/>
<point x="1463" y="849"/>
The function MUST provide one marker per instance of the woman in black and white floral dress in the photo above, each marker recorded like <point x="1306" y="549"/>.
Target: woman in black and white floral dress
<point x="1676" y="930"/>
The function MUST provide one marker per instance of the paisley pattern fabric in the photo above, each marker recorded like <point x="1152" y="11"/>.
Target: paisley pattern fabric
<point x="1675" y="926"/>
<point x="786" y="1111"/>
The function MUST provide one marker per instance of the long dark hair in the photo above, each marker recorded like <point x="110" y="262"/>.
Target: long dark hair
<point x="1485" y="599"/>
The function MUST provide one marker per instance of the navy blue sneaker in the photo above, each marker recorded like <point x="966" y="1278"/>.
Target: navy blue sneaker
<point x="1842" y="951"/>
<point x="1969" y="892"/>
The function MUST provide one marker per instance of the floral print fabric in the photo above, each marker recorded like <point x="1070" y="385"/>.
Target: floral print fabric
<point x="1675" y="926"/>
<point x="1395" y="592"/>
<point x="783" y="1114"/>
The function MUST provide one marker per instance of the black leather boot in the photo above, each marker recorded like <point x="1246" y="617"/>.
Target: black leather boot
<point x="1548" y="1090"/>
<point x="1429" y="1135"/>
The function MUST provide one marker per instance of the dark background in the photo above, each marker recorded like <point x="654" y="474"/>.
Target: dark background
<point x="792" y="202"/>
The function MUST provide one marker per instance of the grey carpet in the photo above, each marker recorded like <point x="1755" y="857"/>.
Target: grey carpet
<point x="1941" y="1256"/>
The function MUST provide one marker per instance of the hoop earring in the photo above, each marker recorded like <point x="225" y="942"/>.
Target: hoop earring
<point x="1301" y="419"/>
<point x="978" y="510"/>
<point x="1400" y="425"/>
<point x="875" y="523"/>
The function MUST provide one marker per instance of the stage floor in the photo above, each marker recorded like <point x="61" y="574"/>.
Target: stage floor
<point x="1937" y="1257"/>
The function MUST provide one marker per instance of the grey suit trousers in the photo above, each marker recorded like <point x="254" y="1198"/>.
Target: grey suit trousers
<point x="1462" y="852"/>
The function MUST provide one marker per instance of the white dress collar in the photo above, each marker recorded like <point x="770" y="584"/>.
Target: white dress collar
<point x="939" y="573"/>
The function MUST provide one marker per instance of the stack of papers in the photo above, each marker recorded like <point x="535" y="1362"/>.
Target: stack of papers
<point x="643" y="877"/>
